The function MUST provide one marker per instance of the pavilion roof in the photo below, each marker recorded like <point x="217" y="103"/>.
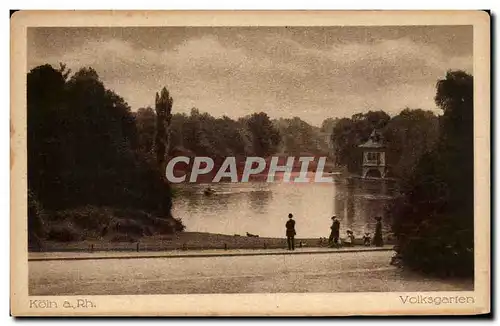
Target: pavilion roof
<point x="375" y="141"/>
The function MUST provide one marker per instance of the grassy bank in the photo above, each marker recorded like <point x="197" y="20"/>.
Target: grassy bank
<point x="181" y="241"/>
<point x="98" y="224"/>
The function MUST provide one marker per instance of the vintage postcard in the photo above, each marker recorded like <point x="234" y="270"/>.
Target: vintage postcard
<point x="250" y="163"/>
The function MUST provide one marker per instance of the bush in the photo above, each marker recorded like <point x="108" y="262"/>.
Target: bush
<point x="36" y="224"/>
<point x="129" y="226"/>
<point x="439" y="247"/>
<point x="104" y="222"/>
<point x="63" y="234"/>
<point x="86" y="217"/>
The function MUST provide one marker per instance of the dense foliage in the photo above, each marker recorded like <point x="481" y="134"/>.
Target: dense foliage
<point x="407" y="136"/>
<point x="434" y="217"/>
<point x="254" y="135"/>
<point x="82" y="150"/>
<point x="348" y="133"/>
<point x="300" y="138"/>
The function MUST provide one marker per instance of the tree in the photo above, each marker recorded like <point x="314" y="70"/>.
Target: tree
<point x="146" y="130"/>
<point x="64" y="71"/>
<point x="83" y="149"/>
<point x="456" y="146"/>
<point x="300" y="138"/>
<point x="408" y="136"/>
<point x="163" y="107"/>
<point x="46" y="114"/>
<point x="202" y="134"/>
<point x="434" y="216"/>
<point x="265" y="137"/>
<point x="349" y="133"/>
<point x="328" y="124"/>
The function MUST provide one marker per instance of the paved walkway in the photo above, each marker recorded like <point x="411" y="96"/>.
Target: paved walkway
<point x="320" y="273"/>
<point x="45" y="256"/>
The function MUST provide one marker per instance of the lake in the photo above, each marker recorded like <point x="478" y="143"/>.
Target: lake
<point x="262" y="208"/>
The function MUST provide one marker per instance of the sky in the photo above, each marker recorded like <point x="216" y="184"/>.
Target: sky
<point x="310" y="72"/>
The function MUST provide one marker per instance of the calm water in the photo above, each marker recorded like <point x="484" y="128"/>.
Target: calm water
<point x="262" y="208"/>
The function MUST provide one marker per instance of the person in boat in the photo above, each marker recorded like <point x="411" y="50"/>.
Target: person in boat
<point x="209" y="191"/>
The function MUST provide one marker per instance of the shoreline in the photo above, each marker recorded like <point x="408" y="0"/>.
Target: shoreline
<point x="100" y="255"/>
<point x="187" y="241"/>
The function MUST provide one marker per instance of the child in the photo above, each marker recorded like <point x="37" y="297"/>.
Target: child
<point x="349" y="241"/>
<point x="367" y="239"/>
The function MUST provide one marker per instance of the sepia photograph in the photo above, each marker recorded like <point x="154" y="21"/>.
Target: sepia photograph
<point x="327" y="156"/>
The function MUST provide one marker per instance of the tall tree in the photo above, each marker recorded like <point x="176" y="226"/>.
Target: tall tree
<point x="163" y="107"/>
<point x="146" y="130"/>
<point x="434" y="217"/>
<point x="46" y="116"/>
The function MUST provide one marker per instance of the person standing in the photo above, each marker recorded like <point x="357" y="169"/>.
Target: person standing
<point x="377" y="238"/>
<point x="335" y="233"/>
<point x="290" y="232"/>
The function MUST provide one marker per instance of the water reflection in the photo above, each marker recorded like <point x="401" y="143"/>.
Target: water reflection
<point x="358" y="202"/>
<point x="262" y="208"/>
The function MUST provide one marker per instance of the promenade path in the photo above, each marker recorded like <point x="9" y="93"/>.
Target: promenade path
<point x="37" y="256"/>
<point x="361" y="271"/>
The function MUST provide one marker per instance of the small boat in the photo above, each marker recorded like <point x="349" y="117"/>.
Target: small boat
<point x="209" y="191"/>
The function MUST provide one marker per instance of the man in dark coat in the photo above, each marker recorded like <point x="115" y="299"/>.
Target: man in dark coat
<point x="377" y="238"/>
<point x="335" y="233"/>
<point x="290" y="232"/>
